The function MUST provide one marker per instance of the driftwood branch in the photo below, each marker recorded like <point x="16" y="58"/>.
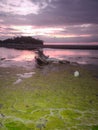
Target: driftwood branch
<point x="42" y="59"/>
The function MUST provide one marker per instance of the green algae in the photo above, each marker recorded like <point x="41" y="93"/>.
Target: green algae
<point x="55" y="123"/>
<point x="95" y="127"/>
<point x="51" y="99"/>
<point x="70" y="114"/>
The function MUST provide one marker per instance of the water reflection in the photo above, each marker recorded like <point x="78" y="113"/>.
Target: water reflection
<point x="62" y="52"/>
<point x="14" y="57"/>
<point x="80" y="56"/>
<point x="25" y="58"/>
<point x="17" y="55"/>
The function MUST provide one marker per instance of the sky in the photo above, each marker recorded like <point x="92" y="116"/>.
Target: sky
<point x="53" y="21"/>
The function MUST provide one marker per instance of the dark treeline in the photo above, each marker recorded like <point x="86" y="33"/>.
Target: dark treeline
<point x="23" y="42"/>
<point x="29" y="43"/>
<point x="83" y="47"/>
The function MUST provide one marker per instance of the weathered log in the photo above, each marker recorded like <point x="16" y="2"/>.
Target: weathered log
<point x="42" y="59"/>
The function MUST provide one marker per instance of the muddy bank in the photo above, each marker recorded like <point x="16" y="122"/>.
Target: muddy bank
<point x="53" y="67"/>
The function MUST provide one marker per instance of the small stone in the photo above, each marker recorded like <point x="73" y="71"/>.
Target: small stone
<point x="76" y="73"/>
<point x="18" y="81"/>
<point x="2" y="58"/>
<point x="2" y="115"/>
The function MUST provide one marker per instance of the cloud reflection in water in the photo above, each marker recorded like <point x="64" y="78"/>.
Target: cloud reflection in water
<point x="24" y="58"/>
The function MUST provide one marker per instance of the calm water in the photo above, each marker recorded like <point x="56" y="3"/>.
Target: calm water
<point x="25" y="58"/>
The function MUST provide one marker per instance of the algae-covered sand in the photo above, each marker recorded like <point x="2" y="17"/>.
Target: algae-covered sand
<point x="49" y="99"/>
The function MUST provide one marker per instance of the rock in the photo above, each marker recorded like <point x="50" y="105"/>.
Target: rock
<point x="76" y="73"/>
<point x="2" y="58"/>
<point x="18" y="81"/>
<point x="64" y="62"/>
<point x="2" y="115"/>
<point x="26" y="75"/>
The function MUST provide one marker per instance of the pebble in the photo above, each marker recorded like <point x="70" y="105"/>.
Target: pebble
<point x="18" y="81"/>
<point x="76" y="73"/>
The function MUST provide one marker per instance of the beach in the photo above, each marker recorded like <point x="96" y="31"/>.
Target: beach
<point x="49" y="97"/>
<point x="49" y="65"/>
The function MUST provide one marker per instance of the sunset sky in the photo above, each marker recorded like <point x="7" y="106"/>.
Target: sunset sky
<point x="53" y="21"/>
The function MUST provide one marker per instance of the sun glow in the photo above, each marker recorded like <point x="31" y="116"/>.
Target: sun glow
<point x="29" y="30"/>
<point x="70" y="35"/>
<point x="48" y="32"/>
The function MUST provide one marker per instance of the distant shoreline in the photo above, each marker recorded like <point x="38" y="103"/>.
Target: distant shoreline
<point x="29" y="43"/>
<point x="32" y="47"/>
<point x="84" y="47"/>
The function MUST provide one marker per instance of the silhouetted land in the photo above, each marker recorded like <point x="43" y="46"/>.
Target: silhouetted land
<point x="29" y="43"/>
<point x="23" y="43"/>
<point x="84" y="47"/>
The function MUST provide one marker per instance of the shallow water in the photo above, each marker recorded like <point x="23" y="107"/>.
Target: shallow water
<point x="80" y="56"/>
<point x="25" y="58"/>
<point x="13" y="57"/>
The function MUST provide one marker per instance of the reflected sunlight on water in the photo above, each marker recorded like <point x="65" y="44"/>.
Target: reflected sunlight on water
<point x="25" y="58"/>
<point x="17" y="55"/>
<point x="79" y="56"/>
<point x="61" y="52"/>
<point x="14" y="57"/>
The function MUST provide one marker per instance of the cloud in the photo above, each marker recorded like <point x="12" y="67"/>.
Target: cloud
<point x="76" y="18"/>
<point x="65" y="12"/>
<point x="76" y="40"/>
<point x="84" y="29"/>
<point x="20" y="7"/>
<point x="51" y="12"/>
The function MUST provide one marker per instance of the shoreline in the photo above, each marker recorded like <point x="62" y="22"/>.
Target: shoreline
<point x="92" y="68"/>
<point x="82" y="47"/>
<point x="33" y="47"/>
<point x="50" y="95"/>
